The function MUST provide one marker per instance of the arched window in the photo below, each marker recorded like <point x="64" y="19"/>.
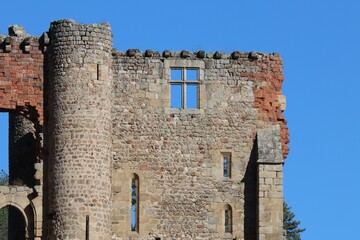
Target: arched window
<point x="228" y="218"/>
<point x="135" y="203"/>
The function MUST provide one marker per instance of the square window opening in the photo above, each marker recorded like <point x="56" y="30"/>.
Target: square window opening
<point x="184" y="84"/>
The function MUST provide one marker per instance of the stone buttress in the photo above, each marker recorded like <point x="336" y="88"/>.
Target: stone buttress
<point x="270" y="184"/>
<point x="79" y="89"/>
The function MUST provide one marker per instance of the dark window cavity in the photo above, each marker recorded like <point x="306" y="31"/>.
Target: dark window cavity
<point x="228" y="219"/>
<point x="135" y="203"/>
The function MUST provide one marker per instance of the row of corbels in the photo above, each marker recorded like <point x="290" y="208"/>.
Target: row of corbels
<point x="24" y="45"/>
<point x="187" y="54"/>
<point x="6" y="45"/>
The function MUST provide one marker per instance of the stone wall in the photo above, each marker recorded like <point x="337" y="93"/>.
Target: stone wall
<point x="270" y="184"/>
<point x="106" y="118"/>
<point x="21" y="94"/>
<point x="29" y="205"/>
<point x="177" y="152"/>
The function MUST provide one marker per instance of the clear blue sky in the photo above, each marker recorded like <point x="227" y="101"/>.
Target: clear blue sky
<point x="319" y="41"/>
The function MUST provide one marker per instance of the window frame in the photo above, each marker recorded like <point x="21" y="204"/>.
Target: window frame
<point x="184" y="82"/>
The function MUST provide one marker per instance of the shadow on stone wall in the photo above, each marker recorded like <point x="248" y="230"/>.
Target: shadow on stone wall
<point x="22" y="151"/>
<point x="251" y="196"/>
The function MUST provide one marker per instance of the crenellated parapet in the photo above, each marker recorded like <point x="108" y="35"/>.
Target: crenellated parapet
<point x="186" y="54"/>
<point x="21" y="73"/>
<point x="18" y="41"/>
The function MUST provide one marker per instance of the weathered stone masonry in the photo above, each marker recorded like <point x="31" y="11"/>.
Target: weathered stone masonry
<point x="100" y="117"/>
<point x="79" y="129"/>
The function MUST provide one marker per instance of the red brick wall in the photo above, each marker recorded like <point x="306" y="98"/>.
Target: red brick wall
<point x="21" y="77"/>
<point x="266" y="95"/>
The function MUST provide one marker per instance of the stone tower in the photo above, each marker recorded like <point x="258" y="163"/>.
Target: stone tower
<point x="140" y="145"/>
<point x="80" y="82"/>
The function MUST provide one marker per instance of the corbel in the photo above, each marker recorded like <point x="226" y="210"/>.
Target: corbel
<point x="26" y="45"/>
<point x="7" y="44"/>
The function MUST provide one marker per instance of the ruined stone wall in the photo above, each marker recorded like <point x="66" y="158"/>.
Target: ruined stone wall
<point x="177" y="153"/>
<point x="21" y="94"/>
<point x="107" y="118"/>
<point x="21" y="74"/>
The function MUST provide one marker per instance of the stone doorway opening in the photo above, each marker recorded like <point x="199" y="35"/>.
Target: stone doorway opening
<point x="12" y="224"/>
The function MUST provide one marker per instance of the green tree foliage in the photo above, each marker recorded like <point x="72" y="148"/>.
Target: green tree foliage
<point x="4" y="177"/>
<point x="4" y="212"/>
<point x="291" y="226"/>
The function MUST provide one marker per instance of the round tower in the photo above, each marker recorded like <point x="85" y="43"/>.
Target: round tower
<point x="79" y="130"/>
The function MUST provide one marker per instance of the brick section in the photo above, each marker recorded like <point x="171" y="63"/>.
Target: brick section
<point x="21" y="75"/>
<point x="267" y="90"/>
<point x="21" y="94"/>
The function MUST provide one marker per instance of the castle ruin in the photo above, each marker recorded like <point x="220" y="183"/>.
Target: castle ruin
<point x="106" y="144"/>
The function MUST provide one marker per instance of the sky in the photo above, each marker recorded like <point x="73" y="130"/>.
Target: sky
<point x="319" y="41"/>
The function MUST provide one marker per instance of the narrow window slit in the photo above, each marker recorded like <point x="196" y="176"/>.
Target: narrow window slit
<point x="135" y="203"/>
<point x="228" y="219"/>
<point x="87" y="227"/>
<point x="226" y="164"/>
<point x="98" y="72"/>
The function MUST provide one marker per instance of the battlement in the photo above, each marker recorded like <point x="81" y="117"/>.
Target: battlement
<point x="201" y="54"/>
<point x="19" y="41"/>
<point x="17" y="38"/>
<point x="21" y="73"/>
